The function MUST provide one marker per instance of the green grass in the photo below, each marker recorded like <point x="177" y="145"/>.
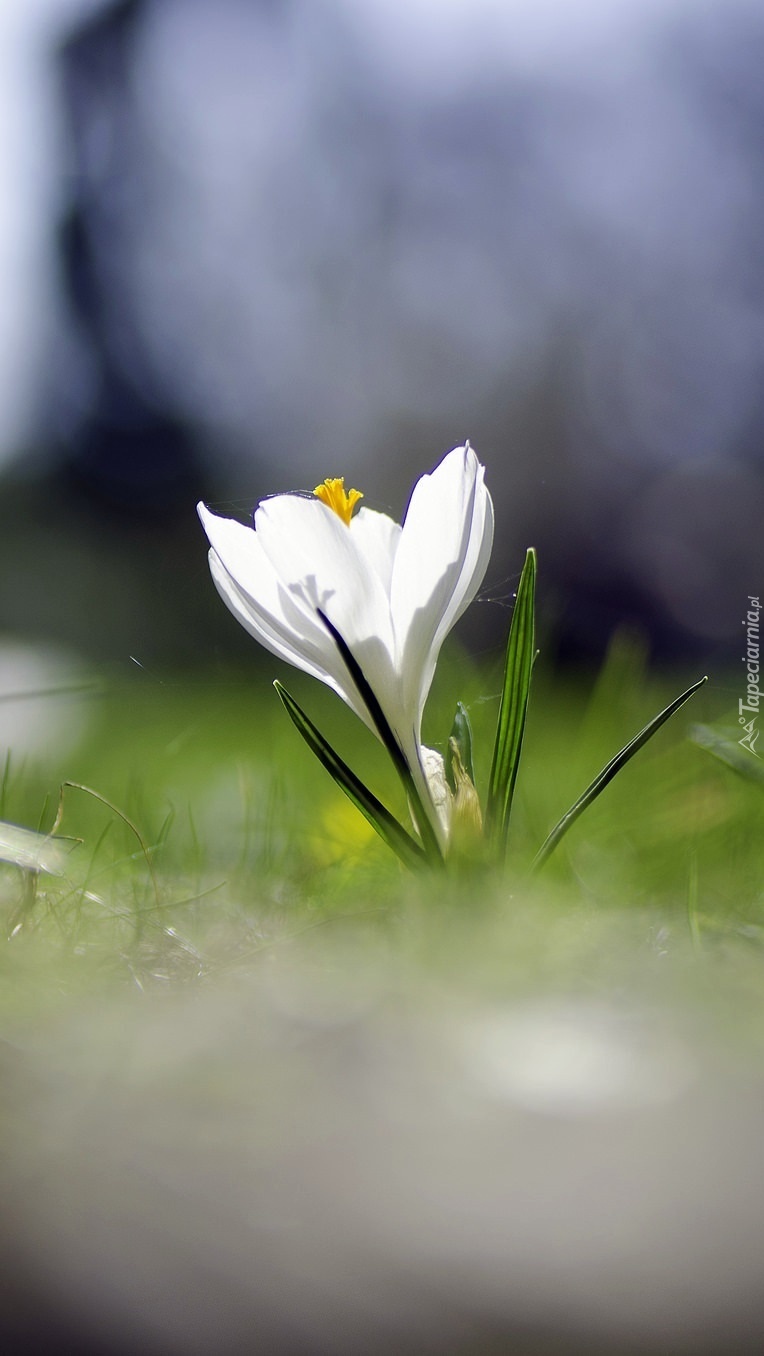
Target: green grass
<point x="238" y="842"/>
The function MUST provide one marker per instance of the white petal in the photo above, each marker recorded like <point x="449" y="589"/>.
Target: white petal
<point x="440" y="562"/>
<point x="241" y="554"/>
<point x="476" y="557"/>
<point x="323" y="564"/>
<point x="440" y="793"/>
<point x="258" y="624"/>
<point x="317" y="556"/>
<point x="251" y="589"/>
<point x="376" y="536"/>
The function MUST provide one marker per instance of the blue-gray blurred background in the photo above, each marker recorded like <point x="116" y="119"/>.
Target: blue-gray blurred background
<point x="246" y="244"/>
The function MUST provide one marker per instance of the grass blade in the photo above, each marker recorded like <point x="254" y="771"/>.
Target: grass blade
<point x="608" y="773"/>
<point x="386" y="825"/>
<point x="421" y="817"/>
<point x="513" y="708"/>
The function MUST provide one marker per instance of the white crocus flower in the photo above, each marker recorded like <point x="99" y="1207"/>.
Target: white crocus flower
<point x="391" y="591"/>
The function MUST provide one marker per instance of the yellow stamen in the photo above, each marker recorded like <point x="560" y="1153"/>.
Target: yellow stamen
<point x="336" y="497"/>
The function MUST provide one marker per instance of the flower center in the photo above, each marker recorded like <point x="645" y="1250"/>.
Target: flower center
<point x="338" y="499"/>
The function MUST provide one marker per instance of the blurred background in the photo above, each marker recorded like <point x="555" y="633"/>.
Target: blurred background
<point x="245" y="244"/>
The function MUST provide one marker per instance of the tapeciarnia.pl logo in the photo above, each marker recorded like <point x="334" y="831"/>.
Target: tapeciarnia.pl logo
<point x="750" y="705"/>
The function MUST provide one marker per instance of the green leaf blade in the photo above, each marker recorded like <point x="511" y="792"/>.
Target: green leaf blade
<point x="460" y="738"/>
<point x="608" y="772"/>
<point x="386" y="825"/>
<point x="513" y="709"/>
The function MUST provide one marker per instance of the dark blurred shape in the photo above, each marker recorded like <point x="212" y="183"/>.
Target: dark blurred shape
<point x="126" y="448"/>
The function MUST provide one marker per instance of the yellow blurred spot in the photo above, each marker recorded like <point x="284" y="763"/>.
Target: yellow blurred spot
<point x="337" y="498"/>
<point x="342" y="834"/>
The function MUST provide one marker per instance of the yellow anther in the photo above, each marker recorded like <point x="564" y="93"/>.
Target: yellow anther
<point x="337" y="498"/>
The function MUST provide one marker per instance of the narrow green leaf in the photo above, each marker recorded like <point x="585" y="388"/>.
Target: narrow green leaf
<point x="422" y="819"/>
<point x="608" y="773"/>
<point x="521" y="653"/>
<point x="385" y="824"/>
<point x="461" y="737"/>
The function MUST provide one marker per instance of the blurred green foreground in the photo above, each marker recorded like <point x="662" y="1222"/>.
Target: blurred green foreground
<point x="266" y="1092"/>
